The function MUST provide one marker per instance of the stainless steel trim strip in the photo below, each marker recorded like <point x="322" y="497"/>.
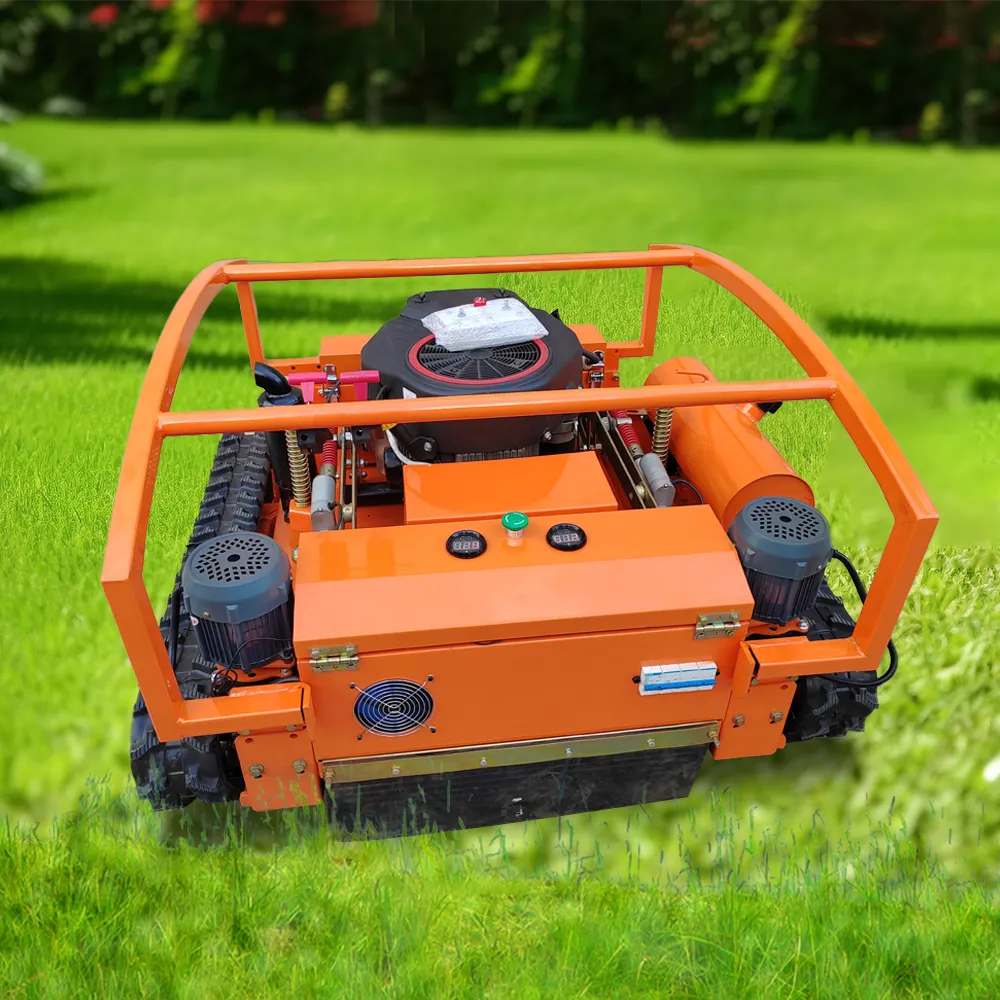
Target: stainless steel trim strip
<point x="525" y="752"/>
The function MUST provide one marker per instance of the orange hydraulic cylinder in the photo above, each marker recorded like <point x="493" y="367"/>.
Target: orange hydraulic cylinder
<point x="722" y="450"/>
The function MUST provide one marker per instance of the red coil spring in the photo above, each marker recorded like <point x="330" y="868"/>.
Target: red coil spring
<point x="625" y="428"/>
<point x="330" y="453"/>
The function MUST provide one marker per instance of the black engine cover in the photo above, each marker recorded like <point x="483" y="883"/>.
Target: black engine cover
<point x="404" y="352"/>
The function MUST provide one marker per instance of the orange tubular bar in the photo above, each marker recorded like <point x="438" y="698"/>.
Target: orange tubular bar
<point x="290" y="704"/>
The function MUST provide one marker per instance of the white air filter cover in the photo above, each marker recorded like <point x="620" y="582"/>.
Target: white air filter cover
<point x="496" y="324"/>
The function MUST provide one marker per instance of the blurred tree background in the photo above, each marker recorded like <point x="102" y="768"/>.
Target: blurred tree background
<point x="911" y="70"/>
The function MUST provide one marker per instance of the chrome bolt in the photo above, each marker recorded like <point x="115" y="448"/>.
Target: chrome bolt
<point x="739" y="720"/>
<point x="651" y="743"/>
<point x="291" y="729"/>
<point x="640" y="490"/>
<point x="777" y="716"/>
<point x="482" y="762"/>
<point x="395" y="772"/>
<point x="569" y="751"/>
<point x="713" y="735"/>
<point x="362" y="474"/>
<point x="547" y="436"/>
<point x="803" y="625"/>
<point x="285" y="671"/>
<point x="428" y="446"/>
<point x="256" y="770"/>
<point x="295" y="554"/>
<point x="298" y="766"/>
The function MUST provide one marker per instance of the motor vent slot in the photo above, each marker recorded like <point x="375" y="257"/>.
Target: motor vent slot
<point x="784" y="519"/>
<point x="234" y="558"/>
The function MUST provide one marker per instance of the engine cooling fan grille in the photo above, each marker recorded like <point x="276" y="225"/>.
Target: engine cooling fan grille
<point x="393" y="707"/>
<point x="481" y="364"/>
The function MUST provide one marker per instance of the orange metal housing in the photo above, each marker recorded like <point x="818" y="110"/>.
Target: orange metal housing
<point x="571" y="627"/>
<point x="544" y="484"/>
<point x="721" y="448"/>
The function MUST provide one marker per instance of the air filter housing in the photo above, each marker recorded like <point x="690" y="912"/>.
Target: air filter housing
<point x="238" y="592"/>
<point x="784" y="545"/>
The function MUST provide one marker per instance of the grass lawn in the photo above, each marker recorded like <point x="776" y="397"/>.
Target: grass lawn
<point x="890" y="253"/>
<point x="102" y="909"/>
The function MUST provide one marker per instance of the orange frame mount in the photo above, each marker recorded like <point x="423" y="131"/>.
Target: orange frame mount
<point x="289" y="705"/>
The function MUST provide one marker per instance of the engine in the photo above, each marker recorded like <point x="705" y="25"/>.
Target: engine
<point x="412" y="361"/>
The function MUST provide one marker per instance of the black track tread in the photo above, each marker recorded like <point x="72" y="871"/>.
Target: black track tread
<point x="821" y="706"/>
<point x="172" y="775"/>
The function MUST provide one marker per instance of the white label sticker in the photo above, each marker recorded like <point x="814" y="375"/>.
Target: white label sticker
<point x="407" y="394"/>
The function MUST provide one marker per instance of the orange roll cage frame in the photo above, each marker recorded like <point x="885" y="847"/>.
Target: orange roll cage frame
<point x="289" y="704"/>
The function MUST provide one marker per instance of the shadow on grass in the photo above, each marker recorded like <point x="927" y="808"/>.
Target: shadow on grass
<point x="205" y="825"/>
<point x="986" y="389"/>
<point x="54" y="310"/>
<point x="893" y="329"/>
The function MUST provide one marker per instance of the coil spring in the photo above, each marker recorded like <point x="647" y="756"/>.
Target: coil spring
<point x="627" y="432"/>
<point x="661" y="432"/>
<point x="298" y="468"/>
<point x="329" y="457"/>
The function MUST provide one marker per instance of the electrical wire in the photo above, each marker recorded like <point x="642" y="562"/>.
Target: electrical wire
<point x="862" y="590"/>
<point x="592" y="357"/>
<point x="173" y="629"/>
<point x="224" y="680"/>
<point x="691" y="486"/>
<point x="400" y="454"/>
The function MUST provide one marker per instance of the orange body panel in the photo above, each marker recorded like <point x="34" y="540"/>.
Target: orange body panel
<point x="564" y="630"/>
<point x="398" y="588"/>
<point x="526" y="689"/>
<point x="753" y="722"/>
<point x="722" y="450"/>
<point x="545" y="484"/>
<point x="290" y="776"/>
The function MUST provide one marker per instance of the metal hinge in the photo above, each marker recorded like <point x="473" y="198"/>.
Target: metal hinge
<point x="717" y="626"/>
<point x="333" y="658"/>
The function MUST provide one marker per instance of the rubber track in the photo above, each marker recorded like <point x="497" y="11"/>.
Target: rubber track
<point x="172" y="775"/>
<point x="821" y="706"/>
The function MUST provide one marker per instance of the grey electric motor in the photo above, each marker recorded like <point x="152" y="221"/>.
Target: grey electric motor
<point x="784" y="545"/>
<point x="238" y="593"/>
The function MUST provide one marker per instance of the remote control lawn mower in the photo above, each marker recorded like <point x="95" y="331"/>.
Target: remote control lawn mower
<point x="452" y="574"/>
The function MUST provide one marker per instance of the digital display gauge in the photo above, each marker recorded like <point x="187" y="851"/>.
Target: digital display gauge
<point x="566" y="537"/>
<point x="466" y="544"/>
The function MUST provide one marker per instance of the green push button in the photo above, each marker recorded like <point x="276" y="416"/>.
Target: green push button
<point x="514" y="521"/>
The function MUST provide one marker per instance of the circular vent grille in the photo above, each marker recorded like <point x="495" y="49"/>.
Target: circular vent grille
<point x="786" y="519"/>
<point x="482" y="364"/>
<point x="393" y="707"/>
<point x="235" y="557"/>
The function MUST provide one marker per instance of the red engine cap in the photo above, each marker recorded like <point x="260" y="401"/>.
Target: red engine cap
<point x="479" y="301"/>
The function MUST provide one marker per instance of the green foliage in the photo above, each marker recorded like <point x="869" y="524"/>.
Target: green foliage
<point x="21" y="177"/>
<point x="21" y="24"/>
<point x="174" y="66"/>
<point x="790" y="68"/>
<point x="771" y="84"/>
